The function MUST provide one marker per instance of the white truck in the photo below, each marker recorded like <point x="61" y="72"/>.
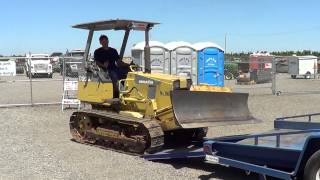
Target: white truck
<point x="305" y="66"/>
<point x="73" y="61"/>
<point x="38" y="65"/>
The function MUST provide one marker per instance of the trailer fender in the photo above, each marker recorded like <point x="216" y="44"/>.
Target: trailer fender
<point x="312" y="168"/>
<point x="311" y="146"/>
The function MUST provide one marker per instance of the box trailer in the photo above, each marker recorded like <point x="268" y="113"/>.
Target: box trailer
<point x="304" y="66"/>
<point x="260" y="67"/>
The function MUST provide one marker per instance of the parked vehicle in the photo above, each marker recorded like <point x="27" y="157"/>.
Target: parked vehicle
<point x="72" y="61"/>
<point x="305" y="66"/>
<point x="55" y="60"/>
<point x="244" y="72"/>
<point x="282" y="65"/>
<point x="20" y="65"/>
<point x="230" y="71"/>
<point x="38" y="65"/>
<point x="260" y="67"/>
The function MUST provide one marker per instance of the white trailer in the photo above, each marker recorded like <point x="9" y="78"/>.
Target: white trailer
<point x="305" y="66"/>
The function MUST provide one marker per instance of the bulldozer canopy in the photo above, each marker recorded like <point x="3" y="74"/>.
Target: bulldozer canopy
<point x="117" y="24"/>
<point x="194" y="109"/>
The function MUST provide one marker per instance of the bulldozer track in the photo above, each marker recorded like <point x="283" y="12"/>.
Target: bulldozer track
<point x="106" y="148"/>
<point x="113" y="131"/>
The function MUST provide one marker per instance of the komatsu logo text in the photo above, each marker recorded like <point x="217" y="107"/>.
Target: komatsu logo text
<point x="142" y="81"/>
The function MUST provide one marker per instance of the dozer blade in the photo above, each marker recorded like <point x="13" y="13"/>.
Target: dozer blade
<point x="194" y="109"/>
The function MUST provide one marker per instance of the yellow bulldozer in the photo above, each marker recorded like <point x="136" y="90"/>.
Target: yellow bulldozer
<point x="151" y="108"/>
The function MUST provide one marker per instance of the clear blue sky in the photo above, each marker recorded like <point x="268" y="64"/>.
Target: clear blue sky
<point x="251" y="25"/>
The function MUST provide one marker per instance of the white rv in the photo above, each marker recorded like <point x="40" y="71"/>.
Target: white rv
<point x="38" y="65"/>
<point x="305" y="66"/>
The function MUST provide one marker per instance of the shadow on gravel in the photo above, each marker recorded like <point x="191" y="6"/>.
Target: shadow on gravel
<point x="216" y="171"/>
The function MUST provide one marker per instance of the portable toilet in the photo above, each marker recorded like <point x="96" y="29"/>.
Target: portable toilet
<point x="159" y="56"/>
<point x="182" y="59"/>
<point x="210" y="63"/>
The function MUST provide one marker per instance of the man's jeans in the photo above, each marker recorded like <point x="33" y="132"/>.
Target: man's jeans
<point x="115" y="81"/>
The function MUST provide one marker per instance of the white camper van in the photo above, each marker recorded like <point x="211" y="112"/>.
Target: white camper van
<point x="305" y="66"/>
<point x="38" y="65"/>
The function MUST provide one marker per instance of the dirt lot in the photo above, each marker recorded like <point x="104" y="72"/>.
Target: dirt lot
<point x="35" y="141"/>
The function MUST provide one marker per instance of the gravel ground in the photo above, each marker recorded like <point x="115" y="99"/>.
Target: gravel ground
<point x="35" y="141"/>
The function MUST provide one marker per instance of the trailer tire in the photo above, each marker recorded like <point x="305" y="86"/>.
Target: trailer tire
<point x="312" y="168"/>
<point x="293" y="76"/>
<point x="228" y="76"/>
<point x="308" y="75"/>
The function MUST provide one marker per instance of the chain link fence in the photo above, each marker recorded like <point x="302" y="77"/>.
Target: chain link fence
<point x="246" y="77"/>
<point x="71" y="68"/>
<point x="35" y="82"/>
<point x="296" y="75"/>
<point x="277" y="76"/>
<point x="43" y="83"/>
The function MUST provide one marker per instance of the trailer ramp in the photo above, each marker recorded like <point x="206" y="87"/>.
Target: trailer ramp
<point x="192" y="150"/>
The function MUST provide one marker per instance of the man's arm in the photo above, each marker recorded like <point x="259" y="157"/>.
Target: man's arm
<point x="122" y="64"/>
<point x="119" y="62"/>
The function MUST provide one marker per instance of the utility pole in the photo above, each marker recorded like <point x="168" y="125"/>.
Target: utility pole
<point x="225" y="43"/>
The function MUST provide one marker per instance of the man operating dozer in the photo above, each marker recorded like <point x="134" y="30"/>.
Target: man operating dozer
<point x="108" y="59"/>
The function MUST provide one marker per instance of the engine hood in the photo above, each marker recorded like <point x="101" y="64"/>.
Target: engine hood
<point x="40" y="62"/>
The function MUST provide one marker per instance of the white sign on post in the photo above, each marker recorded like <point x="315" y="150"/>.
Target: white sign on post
<point x="70" y="101"/>
<point x="7" y="68"/>
<point x="68" y="88"/>
<point x="70" y="85"/>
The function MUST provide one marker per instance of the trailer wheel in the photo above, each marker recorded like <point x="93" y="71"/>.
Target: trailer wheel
<point x="278" y="93"/>
<point x="308" y="75"/>
<point x="312" y="168"/>
<point x="228" y="76"/>
<point x="293" y="76"/>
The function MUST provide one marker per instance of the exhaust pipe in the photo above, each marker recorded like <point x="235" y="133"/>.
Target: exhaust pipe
<point x="147" y="63"/>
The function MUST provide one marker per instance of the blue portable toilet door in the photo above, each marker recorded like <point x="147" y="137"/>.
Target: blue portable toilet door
<point x="211" y="67"/>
